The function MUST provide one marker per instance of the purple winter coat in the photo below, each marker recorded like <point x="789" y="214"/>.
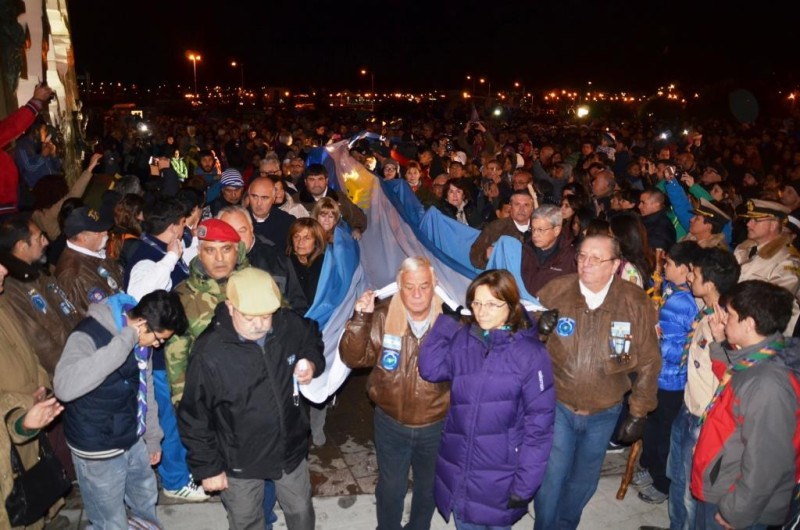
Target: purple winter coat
<point x="499" y="428"/>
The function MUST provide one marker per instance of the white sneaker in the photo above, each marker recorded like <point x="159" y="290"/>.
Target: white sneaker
<point x="191" y="492"/>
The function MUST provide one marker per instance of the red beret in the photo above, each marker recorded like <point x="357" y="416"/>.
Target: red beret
<point x="216" y="230"/>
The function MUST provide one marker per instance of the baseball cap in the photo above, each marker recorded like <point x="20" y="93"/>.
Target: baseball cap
<point x="253" y="292"/>
<point x="85" y="219"/>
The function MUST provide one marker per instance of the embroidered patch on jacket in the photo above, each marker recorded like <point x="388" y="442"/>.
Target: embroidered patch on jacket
<point x="565" y="327"/>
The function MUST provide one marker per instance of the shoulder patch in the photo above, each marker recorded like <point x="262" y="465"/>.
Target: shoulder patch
<point x="565" y="327"/>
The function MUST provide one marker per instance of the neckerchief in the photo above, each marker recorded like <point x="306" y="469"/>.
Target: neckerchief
<point x="740" y="366"/>
<point x="696" y="322"/>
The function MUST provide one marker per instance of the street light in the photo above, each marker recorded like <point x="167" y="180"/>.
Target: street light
<point x="194" y="57"/>
<point x="489" y="83"/>
<point x="364" y="71"/>
<point x="470" y="78"/>
<point x="241" y="67"/>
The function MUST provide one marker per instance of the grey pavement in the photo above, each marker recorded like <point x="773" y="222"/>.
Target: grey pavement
<point x="344" y="472"/>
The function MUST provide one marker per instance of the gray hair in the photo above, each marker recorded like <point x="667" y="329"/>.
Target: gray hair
<point x="613" y="241"/>
<point x="550" y="212"/>
<point x="129" y="184"/>
<point x="236" y="208"/>
<point x="413" y="264"/>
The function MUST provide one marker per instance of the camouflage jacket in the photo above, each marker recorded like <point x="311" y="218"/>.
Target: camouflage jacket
<point x="199" y="295"/>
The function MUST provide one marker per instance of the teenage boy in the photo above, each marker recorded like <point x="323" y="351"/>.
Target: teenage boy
<point x="713" y="272"/>
<point x="675" y="317"/>
<point x="746" y="458"/>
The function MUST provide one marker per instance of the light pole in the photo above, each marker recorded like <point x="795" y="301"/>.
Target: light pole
<point x="489" y="85"/>
<point x="470" y="78"/>
<point x="194" y="57"/>
<point x="364" y="71"/>
<point x="241" y="67"/>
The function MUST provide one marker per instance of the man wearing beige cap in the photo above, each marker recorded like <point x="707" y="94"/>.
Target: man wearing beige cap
<point x="240" y="416"/>
<point x="765" y="254"/>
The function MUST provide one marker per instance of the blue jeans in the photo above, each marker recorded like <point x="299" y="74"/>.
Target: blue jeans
<point x="681" y="504"/>
<point x="463" y="525"/>
<point x="108" y="485"/>
<point x="397" y="449"/>
<point x="573" y="469"/>
<point x="173" y="469"/>
<point x="269" y="503"/>
<point x="705" y="514"/>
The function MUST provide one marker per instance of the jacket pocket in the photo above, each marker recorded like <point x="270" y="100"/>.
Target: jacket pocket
<point x="714" y="473"/>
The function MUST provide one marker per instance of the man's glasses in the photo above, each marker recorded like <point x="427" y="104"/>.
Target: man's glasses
<point x="158" y="341"/>
<point x="582" y="257"/>
<point x="541" y="231"/>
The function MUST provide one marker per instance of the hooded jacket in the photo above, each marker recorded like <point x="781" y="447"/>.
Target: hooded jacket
<point x="747" y="457"/>
<point x="237" y="413"/>
<point x="499" y="428"/>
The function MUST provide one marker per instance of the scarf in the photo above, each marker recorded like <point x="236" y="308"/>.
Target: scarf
<point x="696" y="322"/>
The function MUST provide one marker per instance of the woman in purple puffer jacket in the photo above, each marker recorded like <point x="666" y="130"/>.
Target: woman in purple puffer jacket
<point x="499" y="429"/>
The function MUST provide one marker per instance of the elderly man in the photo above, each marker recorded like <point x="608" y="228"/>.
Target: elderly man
<point x="603" y="186"/>
<point x="549" y="255"/>
<point x="265" y="255"/>
<point x="316" y="187"/>
<point x="240" y="415"/>
<point x="606" y="333"/>
<point x="409" y="411"/>
<point x="517" y="226"/>
<point x="83" y="270"/>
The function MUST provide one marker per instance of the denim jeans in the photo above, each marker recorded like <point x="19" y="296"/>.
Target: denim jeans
<point x="269" y="503"/>
<point x="173" y="469"/>
<point x="397" y="449"/>
<point x="681" y="504"/>
<point x="573" y="469"/>
<point x="462" y="525"/>
<point x="705" y="520"/>
<point x="108" y="485"/>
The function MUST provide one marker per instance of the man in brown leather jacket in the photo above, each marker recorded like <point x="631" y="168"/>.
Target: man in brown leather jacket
<point x="409" y="411"/>
<point x="606" y="335"/>
<point x="83" y="269"/>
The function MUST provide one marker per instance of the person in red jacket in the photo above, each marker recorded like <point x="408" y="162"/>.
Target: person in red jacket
<point x="11" y="128"/>
<point x="746" y="459"/>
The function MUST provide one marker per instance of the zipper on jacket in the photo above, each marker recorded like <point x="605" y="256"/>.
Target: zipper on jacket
<point x="278" y="400"/>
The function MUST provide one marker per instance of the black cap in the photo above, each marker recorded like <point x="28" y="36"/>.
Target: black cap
<point x="85" y="219"/>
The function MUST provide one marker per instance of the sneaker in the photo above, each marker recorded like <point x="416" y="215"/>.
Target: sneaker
<point x="641" y="478"/>
<point x="614" y="447"/>
<point x="651" y="495"/>
<point x="191" y="492"/>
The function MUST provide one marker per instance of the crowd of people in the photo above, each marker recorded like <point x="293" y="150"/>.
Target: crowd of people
<point x="169" y="317"/>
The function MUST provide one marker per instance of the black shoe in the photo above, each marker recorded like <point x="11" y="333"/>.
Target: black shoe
<point x="614" y="447"/>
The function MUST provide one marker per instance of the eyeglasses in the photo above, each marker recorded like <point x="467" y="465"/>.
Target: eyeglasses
<point x="582" y="257"/>
<point x="157" y="341"/>
<point x="491" y="306"/>
<point x="541" y="231"/>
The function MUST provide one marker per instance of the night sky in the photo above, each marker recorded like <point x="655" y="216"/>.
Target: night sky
<point x="433" y="45"/>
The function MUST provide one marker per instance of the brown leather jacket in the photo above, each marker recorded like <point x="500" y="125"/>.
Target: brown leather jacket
<point x="43" y="312"/>
<point x="588" y="380"/>
<point x="79" y="275"/>
<point x="401" y="393"/>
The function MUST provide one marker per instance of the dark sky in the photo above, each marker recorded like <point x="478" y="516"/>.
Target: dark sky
<point x="418" y="45"/>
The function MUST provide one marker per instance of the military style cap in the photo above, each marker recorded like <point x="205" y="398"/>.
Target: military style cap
<point x="759" y="209"/>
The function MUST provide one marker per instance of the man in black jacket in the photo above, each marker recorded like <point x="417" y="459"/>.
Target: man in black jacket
<point x="240" y="416"/>
<point x="659" y="228"/>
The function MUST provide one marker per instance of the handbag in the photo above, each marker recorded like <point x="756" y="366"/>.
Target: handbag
<point x="38" y="488"/>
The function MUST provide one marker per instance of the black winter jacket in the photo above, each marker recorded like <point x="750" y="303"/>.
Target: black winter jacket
<point x="237" y="413"/>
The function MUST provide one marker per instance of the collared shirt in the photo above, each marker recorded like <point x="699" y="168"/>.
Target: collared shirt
<point x="81" y="250"/>
<point x="594" y="300"/>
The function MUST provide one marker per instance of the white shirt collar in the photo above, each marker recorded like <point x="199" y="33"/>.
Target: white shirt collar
<point x="522" y="228"/>
<point x="595" y="300"/>
<point x="86" y="251"/>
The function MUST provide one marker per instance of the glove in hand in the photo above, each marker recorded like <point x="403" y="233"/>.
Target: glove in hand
<point x="516" y="502"/>
<point x="631" y="429"/>
<point x="455" y="314"/>
<point x="548" y="321"/>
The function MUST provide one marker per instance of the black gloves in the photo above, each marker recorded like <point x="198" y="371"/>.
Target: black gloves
<point x="547" y="322"/>
<point x="455" y="314"/>
<point x="516" y="502"/>
<point x="631" y="429"/>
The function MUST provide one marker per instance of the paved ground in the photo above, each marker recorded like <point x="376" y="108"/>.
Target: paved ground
<point x="344" y="472"/>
